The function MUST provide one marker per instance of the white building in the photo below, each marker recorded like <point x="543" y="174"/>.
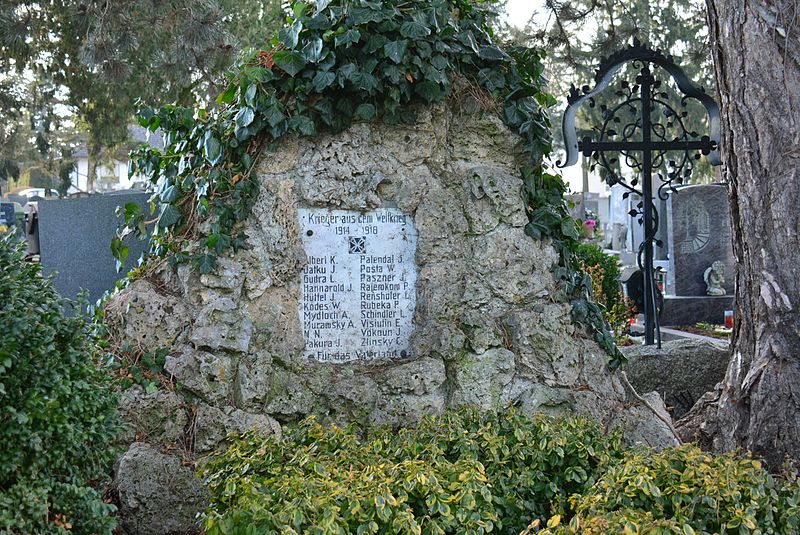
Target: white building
<point x="112" y="174"/>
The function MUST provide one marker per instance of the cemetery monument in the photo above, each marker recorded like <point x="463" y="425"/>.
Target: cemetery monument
<point x="699" y="238"/>
<point x="387" y="275"/>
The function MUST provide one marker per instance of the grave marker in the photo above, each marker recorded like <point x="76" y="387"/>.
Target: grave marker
<point x="357" y="292"/>
<point x="699" y="234"/>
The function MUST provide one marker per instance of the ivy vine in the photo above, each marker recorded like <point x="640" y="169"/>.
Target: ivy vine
<point x="337" y="62"/>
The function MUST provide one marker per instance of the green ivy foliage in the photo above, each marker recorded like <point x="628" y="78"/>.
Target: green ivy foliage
<point x="57" y="412"/>
<point x="684" y="491"/>
<point x="336" y="62"/>
<point x="462" y="472"/>
<point x="607" y="292"/>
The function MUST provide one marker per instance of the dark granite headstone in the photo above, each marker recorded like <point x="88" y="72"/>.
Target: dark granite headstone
<point x="699" y="222"/>
<point x="679" y="311"/>
<point x="75" y="242"/>
<point x="7" y="216"/>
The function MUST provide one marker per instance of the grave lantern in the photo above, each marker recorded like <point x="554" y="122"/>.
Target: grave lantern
<point x="643" y="128"/>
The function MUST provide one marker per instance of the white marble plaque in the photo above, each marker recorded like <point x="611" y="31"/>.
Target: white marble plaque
<point x="358" y="289"/>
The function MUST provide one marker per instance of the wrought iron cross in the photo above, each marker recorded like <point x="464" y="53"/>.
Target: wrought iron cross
<point x="646" y="140"/>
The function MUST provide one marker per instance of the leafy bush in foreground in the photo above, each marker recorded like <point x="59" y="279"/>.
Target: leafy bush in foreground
<point x="470" y="473"/>
<point x="57" y="414"/>
<point x="686" y="491"/>
<point x="459" y="473"/>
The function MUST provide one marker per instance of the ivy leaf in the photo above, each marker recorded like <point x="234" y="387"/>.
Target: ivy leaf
<point x="468" y="39"/>
<point x="120" y="253"/>
<point x="169" y="195"/>
<point x="395" y="50"/>
<point x="569" y="228"/>
<point x="290" y="61"/>
<point x="245" y="117"/>
<point x="440" y="62"/>
<point x="242" y="134"/>
<point x="491" y="79"/>
<point x="132" y="212"/>
<point x="289" y="37"/>
<point x="414" y="30"/>
<point x="144" y="117"/>
<point x="492" y="53"/>
<point x="430" y="91"/>
<point x="212" y="148"/>
<point x="250" y="95"/>
<point x="312" y="51"/>
<point x="170" y="215"/>
<point x="366" y="111"/>
<point x="347" y="38"/>
<point x="206" y="263"/>
<point x="347" y="72"/>
<point x="274" y="115"/>
<point x="322" y="80"/>
<point x="302" y="125"/>
<point x="321" y="4"/>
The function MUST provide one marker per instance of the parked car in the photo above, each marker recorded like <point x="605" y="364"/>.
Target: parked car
<point x="38" y="192"/>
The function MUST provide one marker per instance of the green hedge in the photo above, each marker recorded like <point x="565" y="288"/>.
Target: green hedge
<point x="686" y="491"/>
<point x="471" y="473"/>
<point x="461" y="473"/>
<point x="57" y="412"/>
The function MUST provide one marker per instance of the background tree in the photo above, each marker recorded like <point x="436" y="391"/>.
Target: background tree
<point x="95" y="60"/>
<point x="579" y="33"/>
<point x="756" y="47"/>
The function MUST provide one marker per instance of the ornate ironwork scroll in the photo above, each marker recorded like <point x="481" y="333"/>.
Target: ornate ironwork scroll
<point x="643" y="130"/>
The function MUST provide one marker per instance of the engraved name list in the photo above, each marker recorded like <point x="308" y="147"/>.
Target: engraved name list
<point x="357" y="292"/>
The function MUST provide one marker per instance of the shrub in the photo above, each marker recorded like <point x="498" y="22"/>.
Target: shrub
<point x="685" y="491"/>
<point x="604" y="270"/>
<point x="57" y="412"/>
<point x="470" y="473"/>
<point x="462" y="472"/>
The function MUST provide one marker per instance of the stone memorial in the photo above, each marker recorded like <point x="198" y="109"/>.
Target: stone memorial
<point x="7" y="215"/>
<point x="358" y="289"/>
<point x="387" y="275"/>
<point x="699" y="230"/>
<point x="74" y="242"/>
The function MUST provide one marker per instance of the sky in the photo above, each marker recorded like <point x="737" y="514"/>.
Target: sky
<point x="519" y="13"/>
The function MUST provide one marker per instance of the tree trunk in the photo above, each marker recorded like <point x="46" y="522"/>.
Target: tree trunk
<point x="756" y="48"/>
<point x="91" y="171"/>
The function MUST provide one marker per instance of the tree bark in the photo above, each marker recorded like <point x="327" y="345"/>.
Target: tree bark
<point x="756" y="48"/>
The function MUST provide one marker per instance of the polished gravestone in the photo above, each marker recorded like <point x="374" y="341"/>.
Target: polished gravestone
<point x="75" y="242"/>
<point x="699" y="223"/>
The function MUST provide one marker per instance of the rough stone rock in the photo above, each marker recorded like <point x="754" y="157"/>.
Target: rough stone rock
<point x="149" y="319"/>
<point x="158" y="416"/>
<point x="220" y="325"/>
<point x="488" y="330"/>
<point x="213" y="425"/>
<point x="208" y="376"/>
<point x="158" y="495"/>
<point x="682" y="371"/>
<point x="482" y="380"/>
<point x="641" y="428"/>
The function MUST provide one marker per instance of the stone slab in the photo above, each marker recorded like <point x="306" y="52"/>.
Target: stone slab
<point x="7" y="216"/>
<point x="75" y="242"/>
<point x="699" y="224"/>
<point x="358" y="289"/>
<point x="690" y="310"/>
<point x="681" y="371"/>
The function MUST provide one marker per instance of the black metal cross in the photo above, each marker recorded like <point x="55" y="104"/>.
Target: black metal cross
<point x="629" y="131"/>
